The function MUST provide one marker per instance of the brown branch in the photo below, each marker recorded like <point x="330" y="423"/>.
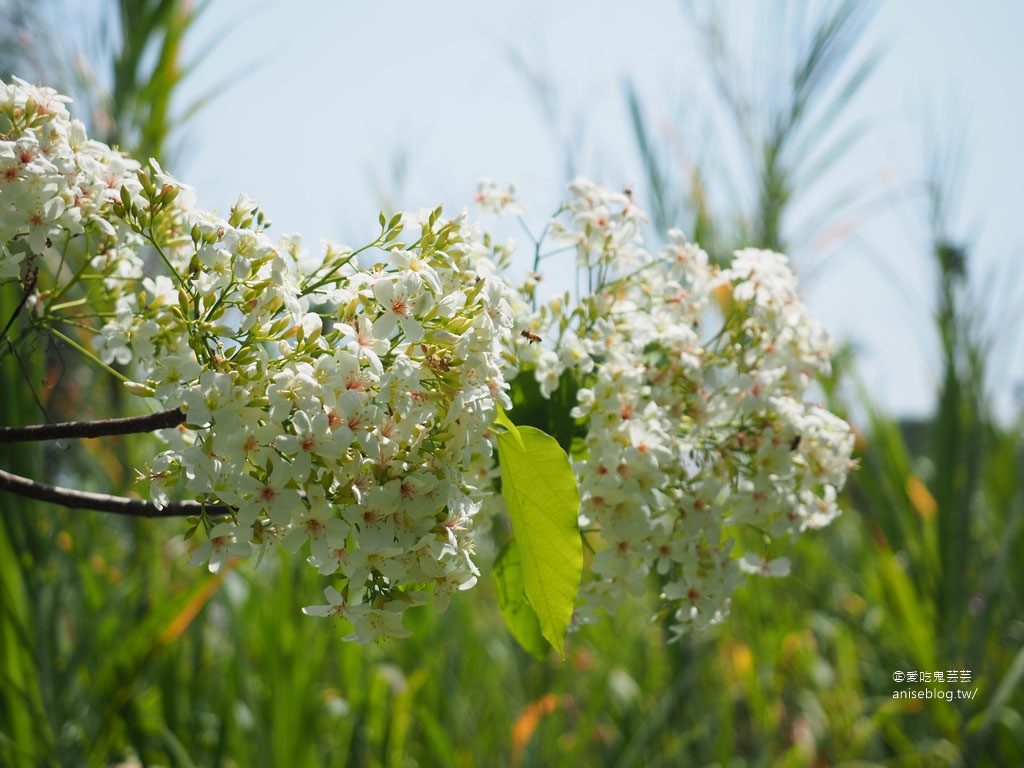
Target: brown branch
<point x="101" y="502"/>
<point x="99" y="428"/>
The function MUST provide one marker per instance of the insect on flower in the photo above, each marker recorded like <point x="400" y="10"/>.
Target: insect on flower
<point x="795" y="443"/>
<point x="530" y="336"/>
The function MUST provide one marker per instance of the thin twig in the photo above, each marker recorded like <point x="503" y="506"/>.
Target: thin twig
<point x="98" y="428"/>
<point x="101" y="502"/>
<point x="29" y="285"/>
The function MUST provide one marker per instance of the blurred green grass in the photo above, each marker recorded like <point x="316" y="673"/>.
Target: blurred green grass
<point x="800" y="674"/>
<point x="112" y="649"/>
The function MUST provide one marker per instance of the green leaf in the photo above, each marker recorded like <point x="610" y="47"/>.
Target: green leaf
<point x="543" y="503"/>
<point x="519" y="615"/>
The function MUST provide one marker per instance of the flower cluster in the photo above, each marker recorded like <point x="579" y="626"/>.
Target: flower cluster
<point x="332" y="408"/>
<point x="691" y="405"/>
<point x="54" y="181"/>
<point x="490" y="197"/>
<point x="604" y="228"/>
<point x="343" y="406"/>
<point x="336" y="408"/>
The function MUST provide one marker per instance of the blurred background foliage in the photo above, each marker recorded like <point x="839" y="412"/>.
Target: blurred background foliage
<point x="113" y="650"/>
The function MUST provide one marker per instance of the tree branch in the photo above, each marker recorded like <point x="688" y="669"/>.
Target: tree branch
<point x="99" y="428"/>
<point x="101" y="502"/>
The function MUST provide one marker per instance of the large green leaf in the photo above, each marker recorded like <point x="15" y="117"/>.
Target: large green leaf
<point x="543" y="503"/>
<point x="519" y="615"/>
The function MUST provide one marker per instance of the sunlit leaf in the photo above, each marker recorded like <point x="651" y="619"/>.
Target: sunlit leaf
<point x="543" y="500"/>
<point x="519" y="615"/>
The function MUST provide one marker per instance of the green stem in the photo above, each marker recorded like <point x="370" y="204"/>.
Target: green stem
<point x="76" y="346"/>
<point x="72" y="281"/>
<point x="148" y="234"/>
<point x="68" y="305"/>
<point x="306" y="290"/>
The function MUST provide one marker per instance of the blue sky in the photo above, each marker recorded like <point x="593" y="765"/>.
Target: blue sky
<point x="320" y="98"/>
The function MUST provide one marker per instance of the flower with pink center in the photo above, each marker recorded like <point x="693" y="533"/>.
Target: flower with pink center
<point x="222" y="543"/>
<point x="401" y="300"/>
<point x="361" y="341"/>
